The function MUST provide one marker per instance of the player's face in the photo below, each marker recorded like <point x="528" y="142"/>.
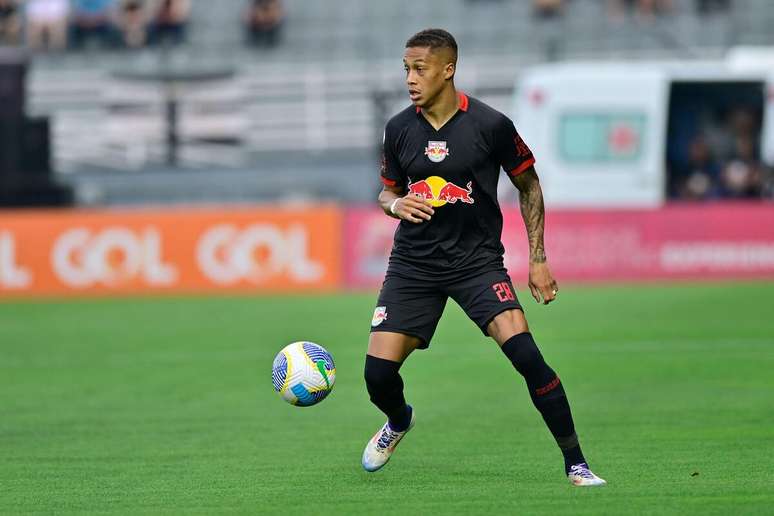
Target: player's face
<point x="427" y="73"/>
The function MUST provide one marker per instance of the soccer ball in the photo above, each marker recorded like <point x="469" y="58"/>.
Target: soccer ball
<point x="303" y="373"/>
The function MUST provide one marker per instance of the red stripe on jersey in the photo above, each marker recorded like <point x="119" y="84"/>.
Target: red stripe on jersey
<point x="521" y="168"/>
<point x="388" y="182"/>
<point x="463" y="101"/>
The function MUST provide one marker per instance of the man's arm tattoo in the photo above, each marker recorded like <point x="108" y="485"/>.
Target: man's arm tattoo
<point x="533" y="212"/>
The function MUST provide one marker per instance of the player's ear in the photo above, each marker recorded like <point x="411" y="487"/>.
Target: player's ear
<point x="448" y="72"/>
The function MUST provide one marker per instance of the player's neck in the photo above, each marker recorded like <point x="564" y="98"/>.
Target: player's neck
<point x="444" y="107"/>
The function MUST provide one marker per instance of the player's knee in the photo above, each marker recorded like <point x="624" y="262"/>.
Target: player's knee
<point x="381" y="376"/>
<point x="507" y="323"/>
<point x="524" y="354"/>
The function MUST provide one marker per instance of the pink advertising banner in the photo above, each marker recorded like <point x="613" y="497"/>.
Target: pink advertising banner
<point x="712" y="241"/>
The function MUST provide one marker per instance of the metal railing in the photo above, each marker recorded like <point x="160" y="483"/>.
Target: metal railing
<point x="101" y="122"/>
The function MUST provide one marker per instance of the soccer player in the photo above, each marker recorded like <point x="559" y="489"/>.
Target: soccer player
<point x="440" y="166"/>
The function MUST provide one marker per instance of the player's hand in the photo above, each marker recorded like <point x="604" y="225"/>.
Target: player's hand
<point x="413" y="209"/>
<point x="542" y="283"/>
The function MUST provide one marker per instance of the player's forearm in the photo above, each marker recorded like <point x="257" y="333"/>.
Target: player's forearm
<point x="386" y="198"/>
<point x="533" y="213"/>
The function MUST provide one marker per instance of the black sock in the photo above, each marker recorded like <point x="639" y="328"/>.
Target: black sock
<point x="385" y="387"/>
<point x="547" y="394"/>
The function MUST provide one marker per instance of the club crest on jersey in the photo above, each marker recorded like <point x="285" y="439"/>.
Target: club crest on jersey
<point x="436" y="151"/>
<point x="380" y="314"/>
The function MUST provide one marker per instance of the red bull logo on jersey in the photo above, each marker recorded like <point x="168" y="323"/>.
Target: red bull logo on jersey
<point x="439" y="191"/>
<point x="436" y="151"/>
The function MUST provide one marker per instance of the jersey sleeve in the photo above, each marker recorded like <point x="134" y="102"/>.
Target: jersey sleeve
<point x="391" y="172"/>
<point x="514" y="155"/>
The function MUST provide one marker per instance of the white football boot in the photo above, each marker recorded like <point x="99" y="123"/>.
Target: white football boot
<point x="580" y="475"/>
<point x="382" y="445"/>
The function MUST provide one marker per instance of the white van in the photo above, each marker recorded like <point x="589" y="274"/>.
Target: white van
<point x="601" y="131"/>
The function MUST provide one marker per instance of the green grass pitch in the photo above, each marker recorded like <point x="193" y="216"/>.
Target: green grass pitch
<point x="166" y="406"/>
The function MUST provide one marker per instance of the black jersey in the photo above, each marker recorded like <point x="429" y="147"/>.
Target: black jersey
<point x="456" y="168"/>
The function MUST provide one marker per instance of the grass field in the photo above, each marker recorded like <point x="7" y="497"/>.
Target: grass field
<point x="166" y="406"/>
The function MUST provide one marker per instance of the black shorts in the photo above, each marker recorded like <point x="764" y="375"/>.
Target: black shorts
<point x="413" y="306"/>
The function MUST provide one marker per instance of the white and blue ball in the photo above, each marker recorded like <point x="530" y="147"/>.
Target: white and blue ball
<point x="303" y="373"/>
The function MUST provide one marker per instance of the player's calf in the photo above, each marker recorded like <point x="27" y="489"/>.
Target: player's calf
<point x="547" y="394"/>
<point x="385" y="388"/>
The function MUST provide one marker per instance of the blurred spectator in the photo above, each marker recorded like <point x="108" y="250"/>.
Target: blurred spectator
<point x="697" y="179"/>
<point x="547" y="9"/>
<point x="723" y="161"/>
<point x="47" y="24"/>
<point x="10" y="25"/>
<point x="264" y="21"/>
<point x="705" y="7"/>
<point x="132" y="23"/>
<point x="724" y="130"/>
<point x="646" y="10"/>
<point x="743" y="122"/>
<point x="739" y="180"/>
<point x="720" y="138"/>
<point x="170" y="21"/>
<point x="92" y="21"/>
<point x="742" y="177"/>
<point x="767" y="183"/>
<point x="550" y="36"/>
<point x="617" y="9"/>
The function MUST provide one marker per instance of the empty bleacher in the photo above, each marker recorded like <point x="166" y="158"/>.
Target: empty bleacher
<point x="313" y="95"/>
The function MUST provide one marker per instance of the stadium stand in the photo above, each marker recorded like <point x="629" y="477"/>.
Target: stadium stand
<point x="321" y="93"/>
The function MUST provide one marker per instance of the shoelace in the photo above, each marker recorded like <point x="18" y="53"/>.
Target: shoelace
<point x="581" y="471"/>
<point x="387" y="437"/>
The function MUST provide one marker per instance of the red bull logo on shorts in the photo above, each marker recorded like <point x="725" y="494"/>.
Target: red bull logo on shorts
<point x="436" y="151"/>
<point x="380" y="315"/>
<point x="439" y="191"/>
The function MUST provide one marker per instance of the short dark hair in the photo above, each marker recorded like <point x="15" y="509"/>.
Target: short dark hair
<point x="434" y="39"/>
